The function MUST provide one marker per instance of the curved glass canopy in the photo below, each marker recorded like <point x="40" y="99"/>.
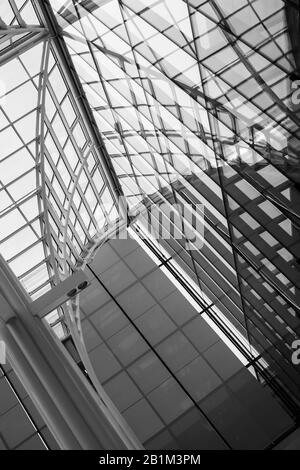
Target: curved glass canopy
<point x="54" y="193"/>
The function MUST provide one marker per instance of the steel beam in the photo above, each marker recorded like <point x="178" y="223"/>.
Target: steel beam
<point x="35" y="36"/>
<point x="59" y="294"/>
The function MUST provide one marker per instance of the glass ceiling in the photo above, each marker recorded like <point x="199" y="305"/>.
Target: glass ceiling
<point x="183" y="102"/>
<point x="54" y="193"/>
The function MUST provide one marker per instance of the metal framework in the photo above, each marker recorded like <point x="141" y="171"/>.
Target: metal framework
<point x="165" y="103"/>
<point x="197" y="109"/>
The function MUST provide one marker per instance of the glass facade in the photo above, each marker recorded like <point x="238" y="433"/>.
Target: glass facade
<point x="179" y="119"/>
<point x="164" y="365"/>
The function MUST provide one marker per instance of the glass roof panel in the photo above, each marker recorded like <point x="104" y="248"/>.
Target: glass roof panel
<point x="47" y="147"/>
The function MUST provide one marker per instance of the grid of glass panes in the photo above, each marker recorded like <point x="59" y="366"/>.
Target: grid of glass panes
<point x="194" y="102"/>
<point x="54" y="195"/>
<point x="169" y="373"/>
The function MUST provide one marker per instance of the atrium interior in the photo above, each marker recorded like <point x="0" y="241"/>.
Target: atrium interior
<point x="149" y="224"/>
